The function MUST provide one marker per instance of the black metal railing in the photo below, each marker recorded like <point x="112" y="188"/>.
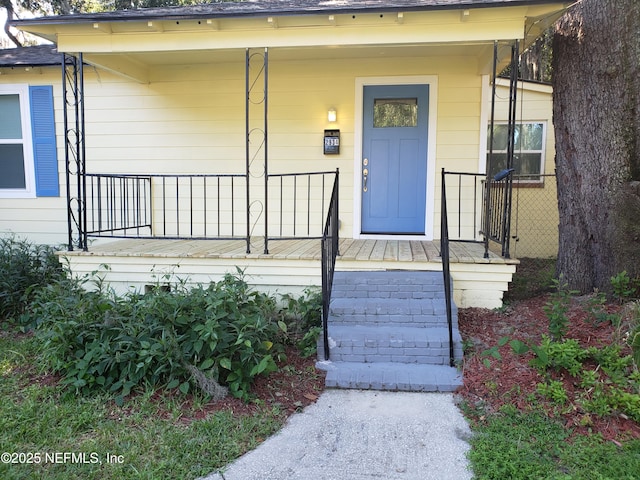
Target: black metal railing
<point x="465" y="219"/>
<point x="296" y="204"/>
<point x="446" y="272"/>
<point x="329" y="253"/>
<point x="497" y="221"/>
<point x="482" y="211"/>
<point x="167" y="206"/>
<point x="118" y="204"/>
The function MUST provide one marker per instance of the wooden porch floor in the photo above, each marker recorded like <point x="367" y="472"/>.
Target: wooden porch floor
<point x="350" y="250"/>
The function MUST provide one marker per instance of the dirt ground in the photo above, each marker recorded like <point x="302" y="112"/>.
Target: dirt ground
<point x="512" y="380"/>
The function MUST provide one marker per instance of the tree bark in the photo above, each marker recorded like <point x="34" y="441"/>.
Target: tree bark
<point x="596" y="109"/>
<point x="8" y="6"/>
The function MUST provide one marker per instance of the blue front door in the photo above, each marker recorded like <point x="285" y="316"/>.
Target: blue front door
<point x="394" y="160"/>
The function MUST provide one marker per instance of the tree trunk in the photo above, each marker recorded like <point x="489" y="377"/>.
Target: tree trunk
<point x="596" y="109"/>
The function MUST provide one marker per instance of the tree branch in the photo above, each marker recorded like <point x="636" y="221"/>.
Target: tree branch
<point x="7" y="28"/>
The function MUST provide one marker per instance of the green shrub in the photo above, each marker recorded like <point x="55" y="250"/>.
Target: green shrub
<point x="567" y="355"/>
<point x="215" y="338"/>
<point x="623" y="286"/>
<point x="633" y="339"/>
<point x="304" y="320"/>
<point x="24" y="268"/>
<point x="554" y="391"/>
<point x="556" y="310"/>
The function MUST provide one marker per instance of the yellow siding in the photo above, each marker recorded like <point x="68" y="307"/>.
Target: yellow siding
<point x="190" y="119"/>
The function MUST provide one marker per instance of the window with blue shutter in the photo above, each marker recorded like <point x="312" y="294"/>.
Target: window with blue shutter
<point x="43" y="135"/>
<point x="28" y="155"/>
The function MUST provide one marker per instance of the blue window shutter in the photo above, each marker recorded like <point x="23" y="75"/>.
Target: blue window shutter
<point x="43" y="130"/>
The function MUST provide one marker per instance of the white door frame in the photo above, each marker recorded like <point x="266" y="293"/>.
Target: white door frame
<point x="361" y="82"/>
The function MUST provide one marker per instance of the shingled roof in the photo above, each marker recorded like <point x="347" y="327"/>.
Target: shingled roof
<point x="36" y="56"/>
<point x="219" y="9"/>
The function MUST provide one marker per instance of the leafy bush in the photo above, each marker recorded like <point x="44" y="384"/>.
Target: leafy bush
<point x="304" y="320"/>
<point x="556" y="310"/>
<point x="567" y="354"/>
<point x="623" y="286"/>
<point x="611" y="386"/>
<point x="633" y="339"/>
<point x="24" y="268"/>
<point x="216" y="338"/>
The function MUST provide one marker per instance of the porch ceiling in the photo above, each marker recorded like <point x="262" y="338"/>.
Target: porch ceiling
<point x="330" y="52"/>
<point x="137" y="65"/>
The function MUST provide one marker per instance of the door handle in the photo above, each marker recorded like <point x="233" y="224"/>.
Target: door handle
<point x="365" y="174"/>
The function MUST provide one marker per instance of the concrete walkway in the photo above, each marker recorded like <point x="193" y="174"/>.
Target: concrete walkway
<point x="363" y="435"/>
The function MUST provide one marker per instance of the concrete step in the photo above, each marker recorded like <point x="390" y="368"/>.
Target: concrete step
<point x="388" y="284"/>
<point x="372" y="344"/>
<point x="388" y="331"/>
<point x="394" y="311"/>
<point x="391" y="376"/>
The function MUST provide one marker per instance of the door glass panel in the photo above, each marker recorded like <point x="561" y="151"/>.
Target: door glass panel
<point x="395" y="112"/>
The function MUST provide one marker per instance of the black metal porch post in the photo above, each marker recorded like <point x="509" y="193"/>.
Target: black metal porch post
<point x="487" y="185"/>
<point x="75" y="163"/>
<point x="252" y="154"/>
<point x="247" y="152"/>
<point x="513" y="89"/>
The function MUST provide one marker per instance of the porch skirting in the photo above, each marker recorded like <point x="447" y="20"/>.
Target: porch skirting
<point x="290" y="267"/>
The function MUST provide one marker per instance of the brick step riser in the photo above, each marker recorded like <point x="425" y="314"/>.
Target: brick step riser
<point x="426" y="321"/>
<point x="435" y="354"/>
<point x="404" y="295"/>
<point x="438" y="358"/>
<point x="395" y="377"/>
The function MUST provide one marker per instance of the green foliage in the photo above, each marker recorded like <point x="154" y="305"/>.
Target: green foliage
<point x="597" y="308"/>
<point x="611" y="386"/>
<point x="633" y="338"/>
<point x="634" y="343"/>
<point x="556" y="310"/>
<point x="493" y="352"/>
<point x="24" y="268"/>
<point x="221" y="335"/>
<point x="567" y="355"/>
<point x="554" y="391"/>
<point x="623" y="286"/>
<point x="304" y="320"/>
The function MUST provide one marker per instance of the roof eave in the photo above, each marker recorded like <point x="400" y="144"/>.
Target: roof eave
<point x="148" y="14"/>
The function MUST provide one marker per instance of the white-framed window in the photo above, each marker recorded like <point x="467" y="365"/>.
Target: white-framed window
<point x="529" y="150"/>
<point x="28" y="157"/>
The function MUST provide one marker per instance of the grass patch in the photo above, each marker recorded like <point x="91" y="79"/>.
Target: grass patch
<point x="143" y="439"/>
<point x="528" y="445"/>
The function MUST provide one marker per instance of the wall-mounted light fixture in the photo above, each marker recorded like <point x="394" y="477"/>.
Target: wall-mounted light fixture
<point x="332" y="115"/>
